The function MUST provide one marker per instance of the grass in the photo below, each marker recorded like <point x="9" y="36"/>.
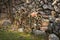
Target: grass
<point x="4" y="35"/>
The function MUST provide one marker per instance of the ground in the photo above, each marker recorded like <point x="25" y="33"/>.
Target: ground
<point x="5" y="35"/>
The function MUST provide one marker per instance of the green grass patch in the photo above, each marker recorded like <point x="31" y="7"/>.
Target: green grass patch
<point x="4" y="35"/>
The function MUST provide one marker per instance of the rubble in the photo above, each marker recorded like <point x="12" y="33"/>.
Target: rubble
<point x="31" y="13"/>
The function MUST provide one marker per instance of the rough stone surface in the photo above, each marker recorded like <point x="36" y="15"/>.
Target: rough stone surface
<point x="57" y="9"/>
<point x="53" y="37"/>
<point x="6" y="23"/>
